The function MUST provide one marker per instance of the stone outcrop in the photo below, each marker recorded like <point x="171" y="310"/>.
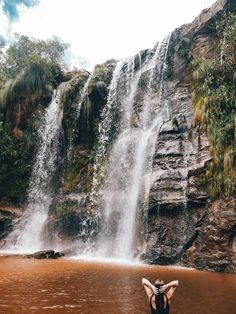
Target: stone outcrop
<point x="8" y="217"/>
<point x="214" y="249"/>
<point x="48" y="254"/>
<point x="178" y="163"/>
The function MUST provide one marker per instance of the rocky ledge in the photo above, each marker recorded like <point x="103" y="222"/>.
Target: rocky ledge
<point x="47" y="254"/>
<point x="215" y="246"/>
<point x="8" y="216"/>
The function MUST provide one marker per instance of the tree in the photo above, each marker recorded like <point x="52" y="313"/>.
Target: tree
<point x="25" y="50"/>
<point x="29" y="70"/>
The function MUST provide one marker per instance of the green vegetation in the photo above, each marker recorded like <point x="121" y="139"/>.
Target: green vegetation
<point x="65" y="207"/>
<point x="79" y="167"/>
<point x="79" y="170"/>
<point x="26" y="50"/>
<point x="214" y="98"/>
<point x="179" y="46"/>
<point x="183" y="47"/>
<point x="29" y="71"/>
<point x="26" y="91"/>
<point x="15" y="166"/>
<point x="94" y="101"/>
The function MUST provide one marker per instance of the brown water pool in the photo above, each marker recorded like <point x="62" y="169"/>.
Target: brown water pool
<point x="69" y="286"/>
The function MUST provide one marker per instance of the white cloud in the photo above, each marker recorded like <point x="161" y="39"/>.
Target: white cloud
<point x="5" y="28"/>
<point x="98" y="30"/>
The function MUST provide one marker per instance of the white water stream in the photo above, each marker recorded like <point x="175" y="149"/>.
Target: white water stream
<point x="27" y="235"/>
<point x="123" y="164"/>
<point x="127" y="173"/>
<point x="83" y="95"/>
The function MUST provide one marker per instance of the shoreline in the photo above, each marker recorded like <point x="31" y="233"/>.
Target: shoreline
<point x="107" y="263"/>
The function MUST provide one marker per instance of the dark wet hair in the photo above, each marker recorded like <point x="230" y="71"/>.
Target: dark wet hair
<point x="160" y="301"/>
<point x="158" y="283"/>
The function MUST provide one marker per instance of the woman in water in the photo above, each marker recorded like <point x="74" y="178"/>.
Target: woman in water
<point x="160" y="295"/>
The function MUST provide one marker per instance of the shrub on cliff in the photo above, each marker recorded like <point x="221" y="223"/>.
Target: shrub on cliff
<point x="25" y="50"/>
<point x="29" y="70"/>
<point x="15" y="166"/>
<point x="214" y="98"/>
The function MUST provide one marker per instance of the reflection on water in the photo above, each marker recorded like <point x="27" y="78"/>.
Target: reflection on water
<point x="67" y="286"/>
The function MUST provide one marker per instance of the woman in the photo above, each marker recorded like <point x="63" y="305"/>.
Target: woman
<point x="160" y="295"/>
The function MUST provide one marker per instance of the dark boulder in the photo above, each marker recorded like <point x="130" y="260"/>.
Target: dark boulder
<point x="48" y="254"/>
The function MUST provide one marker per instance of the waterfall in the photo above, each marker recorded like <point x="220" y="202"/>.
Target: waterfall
<point x="83" y="95"/>
<point x="27" y="235"/>
<point x="104" y="130"/>
<point x="127" y="136"/>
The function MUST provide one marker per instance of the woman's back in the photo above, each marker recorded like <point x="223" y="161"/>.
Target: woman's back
<point x="159" y="304"/>
<point x="160" y="295"/>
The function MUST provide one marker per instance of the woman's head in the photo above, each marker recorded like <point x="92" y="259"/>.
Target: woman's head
<point x="158" y="283"/>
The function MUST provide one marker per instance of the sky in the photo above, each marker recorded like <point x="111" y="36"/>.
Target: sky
<point x="98" y="30"/>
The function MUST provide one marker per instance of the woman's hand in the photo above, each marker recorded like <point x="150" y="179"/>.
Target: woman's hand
<point x="163" y="288"/>
<point x="150" y="287"/>
<point x="154" y="289"/>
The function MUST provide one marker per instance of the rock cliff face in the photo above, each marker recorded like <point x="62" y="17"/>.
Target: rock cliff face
<point x="214" y="245"/>
<point x="182" y="228"/>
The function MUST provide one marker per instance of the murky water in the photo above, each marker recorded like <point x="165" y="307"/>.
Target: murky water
<point x="69" y="286"/>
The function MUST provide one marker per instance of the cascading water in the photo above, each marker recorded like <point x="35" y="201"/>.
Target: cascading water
<point x="83" y="95"/>
<point x="28" y="233"/>
<point x="107" y="118"/>
<point x="131" y="123"/>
